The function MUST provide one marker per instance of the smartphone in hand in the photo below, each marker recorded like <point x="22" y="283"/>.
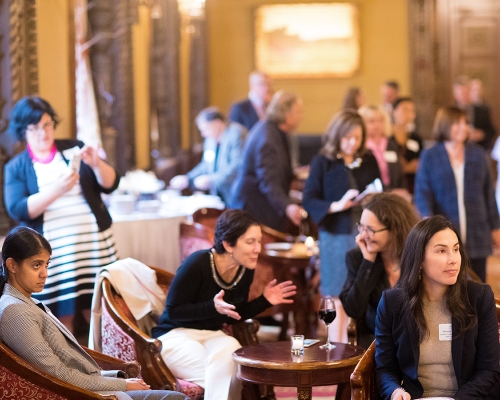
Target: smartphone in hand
<point x="75" y="162"/>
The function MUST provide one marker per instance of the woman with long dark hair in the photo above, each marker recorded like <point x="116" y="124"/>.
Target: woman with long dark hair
<point x="436" y="332"/>
<point x="36" y="335"/>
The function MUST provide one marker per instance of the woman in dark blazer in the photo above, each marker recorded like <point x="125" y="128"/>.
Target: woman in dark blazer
<point x="373" y="266"/>
<point x="436" y="332"/>
<point x="341" y="170"/>
<point x="453" y="179"/>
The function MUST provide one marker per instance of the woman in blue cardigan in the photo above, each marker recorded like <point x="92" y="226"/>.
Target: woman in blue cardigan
<point x="341" y="170"/>
<point x="453" y="179"/>
<point x="48" y="189"/>
<point x="436" y="332"/>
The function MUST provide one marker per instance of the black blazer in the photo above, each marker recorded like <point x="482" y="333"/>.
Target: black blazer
<point x="263" y="181"/>
<point x="327" y="182"/>
<point x="362" y="291"/>
<point x="482" y="120"/>
<point x="475" y="353"/>
<point x="244" y="113"/>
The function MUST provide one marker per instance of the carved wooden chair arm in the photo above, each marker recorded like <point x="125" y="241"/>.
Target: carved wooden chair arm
<point x="132" y="369"/>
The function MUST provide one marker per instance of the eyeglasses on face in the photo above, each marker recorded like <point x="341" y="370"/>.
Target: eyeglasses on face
<point x="38" y="128"/>
<point x="369" y="230"/>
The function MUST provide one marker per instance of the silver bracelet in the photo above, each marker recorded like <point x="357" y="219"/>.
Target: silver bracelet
<point x="392" y="395"/>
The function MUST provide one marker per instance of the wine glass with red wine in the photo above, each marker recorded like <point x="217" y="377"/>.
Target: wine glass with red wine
<point x="327" y="313"/>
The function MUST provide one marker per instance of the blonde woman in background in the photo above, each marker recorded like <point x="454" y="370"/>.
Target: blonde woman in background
<point x="378" y="130"/>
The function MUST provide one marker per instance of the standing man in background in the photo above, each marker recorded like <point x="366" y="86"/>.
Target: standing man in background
<point x="249" y="111"/>
<point x="263" y="181"/>
<point x="222" y="150"/>
<point x="389" y="92"/>
<point x="482" y="131"/>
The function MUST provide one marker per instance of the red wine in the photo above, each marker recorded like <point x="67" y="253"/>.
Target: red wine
<point x="327" y="315"/>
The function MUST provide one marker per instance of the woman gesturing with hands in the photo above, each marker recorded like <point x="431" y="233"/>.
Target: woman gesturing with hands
<point x="274" y="294"/>
<point x="211" y="289"/>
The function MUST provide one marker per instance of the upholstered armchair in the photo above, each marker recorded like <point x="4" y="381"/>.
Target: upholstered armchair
<point x="21" y="380"/>
<point x="193" y="237"/>
<point x="122" y="338"/>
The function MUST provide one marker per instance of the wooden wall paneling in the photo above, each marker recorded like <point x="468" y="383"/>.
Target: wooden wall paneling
<point x="100" y="15"/>
<point x="423" y="62"/>
<point x="19" y="74"/>
<point x="122" y="117"/>
<point x="165" y="90"/>
<point x="111" y="63"/>
<point x="198" y="73"/>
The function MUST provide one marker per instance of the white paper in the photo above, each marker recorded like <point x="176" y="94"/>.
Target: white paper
<point x="445" y="332"/>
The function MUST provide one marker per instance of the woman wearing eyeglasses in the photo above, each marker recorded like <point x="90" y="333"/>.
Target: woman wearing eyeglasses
<point x="49" y="190"/>
<point x="373" y="266"/>
<point x="341" y="170"/>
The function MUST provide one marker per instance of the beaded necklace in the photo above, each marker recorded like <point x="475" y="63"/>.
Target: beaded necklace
<point x="216" y="276"/>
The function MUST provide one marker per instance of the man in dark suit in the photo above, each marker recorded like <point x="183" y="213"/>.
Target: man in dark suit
<point x="249" y="111"/>
<point x="263" y="181"/>
<point x="482" y="132"/>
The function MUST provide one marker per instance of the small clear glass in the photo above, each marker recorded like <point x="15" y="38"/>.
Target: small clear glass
<point x="297" y="344"/>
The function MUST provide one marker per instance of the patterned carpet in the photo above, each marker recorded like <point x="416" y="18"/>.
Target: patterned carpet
<point x="318" y="393"/>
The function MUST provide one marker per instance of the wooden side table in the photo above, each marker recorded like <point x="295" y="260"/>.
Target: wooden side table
<point x="272" y="364"/>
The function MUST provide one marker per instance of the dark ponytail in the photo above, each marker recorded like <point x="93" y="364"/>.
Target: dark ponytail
<point x="20" y="243"/>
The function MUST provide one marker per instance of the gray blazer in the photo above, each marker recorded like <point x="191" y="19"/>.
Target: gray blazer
<point x="42" y="340"/>
<point x="222" y="170"/>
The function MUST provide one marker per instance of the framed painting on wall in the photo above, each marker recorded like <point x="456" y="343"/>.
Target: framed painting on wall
<point x="307" y="40"/>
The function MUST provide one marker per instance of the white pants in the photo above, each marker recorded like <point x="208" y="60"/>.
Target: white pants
<point x="205" y="358"/>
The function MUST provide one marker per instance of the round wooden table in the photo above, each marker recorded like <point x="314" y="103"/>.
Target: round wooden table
<point x="272" y="364"/>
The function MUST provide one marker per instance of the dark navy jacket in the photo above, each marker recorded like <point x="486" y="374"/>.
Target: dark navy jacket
<point x="263" y="181"/>
<point x="21" y="182"/>
<point x="327" y="182"/>
<point x="436" y="194"/>
<point x="475" y="353"/>
<point x="244" y="113"/>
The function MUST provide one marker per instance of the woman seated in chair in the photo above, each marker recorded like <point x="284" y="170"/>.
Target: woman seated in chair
<point x="436" y="332"/>
<point x="36" y="335"/>
<point x="373" y="266"/>
<point x="209" y="290"/>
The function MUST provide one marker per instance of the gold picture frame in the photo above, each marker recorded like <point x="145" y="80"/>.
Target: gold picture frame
<point x="307" y="40"/>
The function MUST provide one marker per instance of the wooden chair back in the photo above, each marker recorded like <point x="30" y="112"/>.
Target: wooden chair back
<point x="193" y="237"/>
<point x="122" y="337"/>
<point x="207" y="216"/>
<point x="21" y="380"/>
<point x="363" y="377"/>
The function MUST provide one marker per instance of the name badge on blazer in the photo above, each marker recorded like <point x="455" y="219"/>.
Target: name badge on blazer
<point x="390" y="156"/>
<point x="209" y="155"/>
<point x="445" y="332"/>
<point x="412" y="145"/>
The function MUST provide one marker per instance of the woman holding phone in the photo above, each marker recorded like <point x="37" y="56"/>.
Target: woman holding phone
<point x="341" y="170"/>
<point x="49" y="190"/>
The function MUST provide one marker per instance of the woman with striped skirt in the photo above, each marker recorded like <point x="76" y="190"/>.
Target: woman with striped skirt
<point x="49" y="190"/>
